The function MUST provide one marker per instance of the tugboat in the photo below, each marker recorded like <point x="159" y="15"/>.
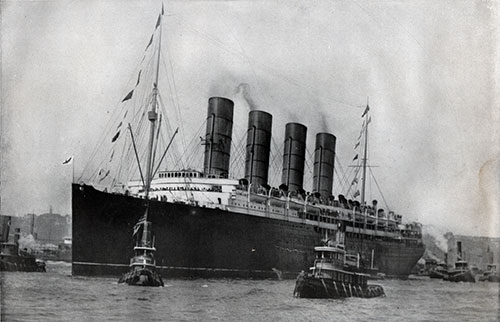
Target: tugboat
<point x="143" y="264"/>
<point x="12" y="259"/>
<point x="440" y="271"/>
<point x="491" y="274"/>
<point x="461" y="273"/>
<point x="328" y="277"/>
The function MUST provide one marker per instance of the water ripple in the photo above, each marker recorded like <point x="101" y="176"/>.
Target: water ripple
<point x="57" y="296"/>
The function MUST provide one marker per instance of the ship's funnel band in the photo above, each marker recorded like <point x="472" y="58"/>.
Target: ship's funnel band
<point x="218" y="136"/>
<point x="294" y="156"/>
<point x="258" y="147"/>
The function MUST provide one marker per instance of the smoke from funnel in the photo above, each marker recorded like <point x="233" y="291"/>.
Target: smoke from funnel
<point x="323" y="125"/>
<point x="244" y="90"/>
<point x="439" y="236"/>
<point x="28" y="242"/>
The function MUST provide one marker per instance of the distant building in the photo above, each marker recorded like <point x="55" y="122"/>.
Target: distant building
<point x="48" y="228"/>
<point x="478" y="251"/>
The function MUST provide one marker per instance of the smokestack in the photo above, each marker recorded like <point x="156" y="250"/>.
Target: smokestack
<point x="17" y="235"/>
<point x="146" y="239"/>
<point x="218" y="136"/>
<point x="4" y="228"/>
<point x="294" y="156"/>
<point x="258" y="147"/>
<point x="324" y="160"/>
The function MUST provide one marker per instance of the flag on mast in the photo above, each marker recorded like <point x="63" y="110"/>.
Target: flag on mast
<point x="149" y="43"/>
<point x="366" y="110"/>
<point x="158" y="22"/>
<point x="68" y="160"/>
<point x="139" y="224"/>
<point x="138" y="78"/>
<point x="129" y="96"/>
<point x="115" y="137"/>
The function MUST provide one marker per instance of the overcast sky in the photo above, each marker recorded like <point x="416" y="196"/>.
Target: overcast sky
<point x="428" y="68"/>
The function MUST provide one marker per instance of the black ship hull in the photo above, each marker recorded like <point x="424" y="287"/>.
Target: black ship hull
<point x="194" y="241"/>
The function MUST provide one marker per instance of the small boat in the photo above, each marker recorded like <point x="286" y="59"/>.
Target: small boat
<point x="13" y="259"/>
<point x="461" y="273"/>
<point x="143" y="264"/>
<point x="491" y="274"/>
<point x="440" y="271"/>
<point x="329" y="279"/>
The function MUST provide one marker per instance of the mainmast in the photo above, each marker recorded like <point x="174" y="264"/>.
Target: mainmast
<point x="365" y="158"/>
<point x="153" y="116"/>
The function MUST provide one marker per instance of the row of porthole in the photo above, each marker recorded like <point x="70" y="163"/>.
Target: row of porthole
<point x="180" y="175"/>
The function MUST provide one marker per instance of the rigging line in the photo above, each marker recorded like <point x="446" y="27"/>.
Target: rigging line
<point x="175" y="152"/>
<point x="107" y="128"/>
<point x="245" y="56"/>
<point x="356" y="170"/>
<point x="447" y="103"/>
<point x="353" y="173"/>
<point x="339" y="174"/>
<point x="142" y="133"/>
<point x="156" y="144"/>
<point x="379" y="190"/>
<point x="136" y="153"/>
<point x="191" y="146"/>
<point x="342" y="178"/>
<point x="342" y="183"/>
<point x="205" y="36"/>
<point x="120" y="157"/>
<point x="276" y="162"/>
<point x="269" y="69"/>
<point x="379" y="23"/>
<point x="239" y="149"/>
<point x="176" y="101"/>
<point x="194" y="147"/>
<point x="165" y="153"/>
<point x="140" y="113"/>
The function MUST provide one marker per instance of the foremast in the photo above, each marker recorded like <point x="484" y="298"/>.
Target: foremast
<point x="143" y="264"/>
<point x="145" y="242"/>
<point x="365" y="154"/>
<point x="153" y="117"/>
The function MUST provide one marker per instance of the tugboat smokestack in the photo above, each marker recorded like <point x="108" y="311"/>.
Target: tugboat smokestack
<point x="146" y="234"/>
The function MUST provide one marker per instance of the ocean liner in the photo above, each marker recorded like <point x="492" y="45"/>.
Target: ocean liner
<point x="209" y="223"/>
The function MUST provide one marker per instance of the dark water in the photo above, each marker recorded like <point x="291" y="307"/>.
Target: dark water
<point x="56" y="296"/>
